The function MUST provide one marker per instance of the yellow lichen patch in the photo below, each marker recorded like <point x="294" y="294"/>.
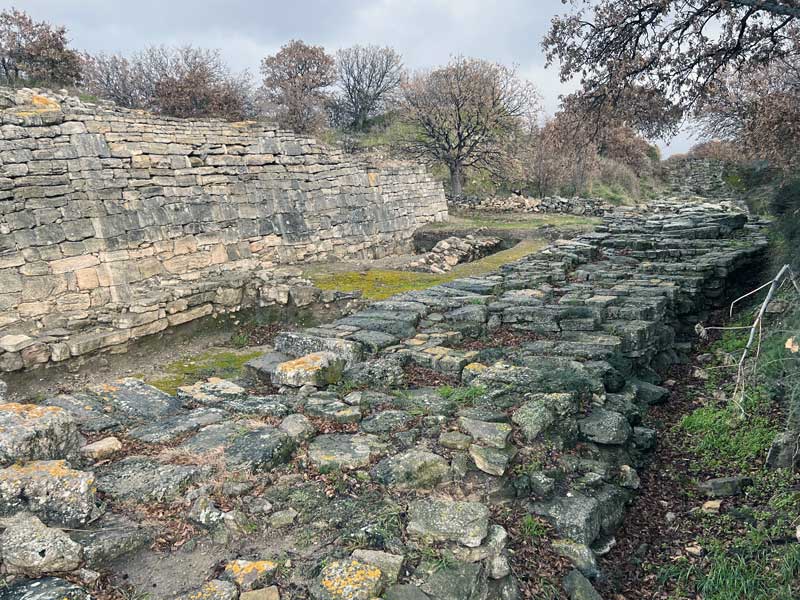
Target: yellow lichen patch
<point x="50" y="468"/>
<point x="29" y="411"/>
<point x="43" y="101"/>
<point x="352" y="579"/>
<point x="242" y="571"/>
<point x="307" y="362"/>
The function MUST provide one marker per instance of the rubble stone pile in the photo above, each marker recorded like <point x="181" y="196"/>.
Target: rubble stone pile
<point x="590" y="207"/>
<point x="449" y="252"/>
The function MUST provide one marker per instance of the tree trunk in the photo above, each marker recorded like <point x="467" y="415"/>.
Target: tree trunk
<point x="456" y="180"/>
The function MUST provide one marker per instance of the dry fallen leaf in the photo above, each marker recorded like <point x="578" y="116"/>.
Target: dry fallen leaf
<point x="792" y="345"/>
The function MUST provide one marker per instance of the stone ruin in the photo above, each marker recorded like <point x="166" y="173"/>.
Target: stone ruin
<point x="116" y="224"/>
<point x="589" y="207"/>
<point x="326" y="474"/>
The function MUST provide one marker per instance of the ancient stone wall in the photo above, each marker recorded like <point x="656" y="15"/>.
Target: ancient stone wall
<point x="115" y="224"/>
<point x="697" y="177"/>
<point x="522" y="204"/>
<point x="551" y="363"/>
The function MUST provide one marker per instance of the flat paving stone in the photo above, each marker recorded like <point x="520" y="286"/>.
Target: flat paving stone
<point x="171" y="428"/>
<point x="449" y="521"/>
<point x="411" y="469"/>
<point x="426" y="401"/>
<point x="90" y="412"/>
<point x="343" y="450"/>
<point x="386" y="421"/>
<point x="137" y="400"/>
<point x="140" y="479"/>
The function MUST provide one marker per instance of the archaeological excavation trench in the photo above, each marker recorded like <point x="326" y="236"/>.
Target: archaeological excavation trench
<point x="376" y="455"/>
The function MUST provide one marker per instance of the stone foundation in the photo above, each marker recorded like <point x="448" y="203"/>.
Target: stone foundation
<point x="116" y="224"/>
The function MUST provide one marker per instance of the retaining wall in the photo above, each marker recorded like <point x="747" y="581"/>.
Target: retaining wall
<point x="115" y="224"/>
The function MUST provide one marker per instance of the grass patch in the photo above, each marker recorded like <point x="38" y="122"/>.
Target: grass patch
<point x="721" y="438"/>
<point x="740" y="572"/>
<point x="463" y="396"/>
<point x="380" y="284"/>
<point x="226" y="364"/>
<point x="516" y="222"/>
<point x="532" y="528"/>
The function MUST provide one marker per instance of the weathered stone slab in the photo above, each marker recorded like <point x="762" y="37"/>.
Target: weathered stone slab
<point x="171" y="428"/>
<point x="449" y="520"/>
<point x="411" y="469"/>
<point x="343" y="451"/>
<point x="137" y="400"/>
<point x="32" y="432"/>
<point x="110" y="538"/>
<point x="318" y="369"/>
<point x="45" y="588"/>
<point x="31" y="548"/>
<point x="50" y="490"/>
<point x="139" y="479"/>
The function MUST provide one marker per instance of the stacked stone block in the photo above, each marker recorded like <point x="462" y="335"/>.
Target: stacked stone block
<point x="116" y="224"/>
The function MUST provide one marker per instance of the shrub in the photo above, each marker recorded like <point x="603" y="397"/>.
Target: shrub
<point x="785" y="207"/>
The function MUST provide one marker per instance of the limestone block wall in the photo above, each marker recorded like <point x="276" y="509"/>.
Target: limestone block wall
<point x="697" y="177"/>
<point x="116" y="223"/>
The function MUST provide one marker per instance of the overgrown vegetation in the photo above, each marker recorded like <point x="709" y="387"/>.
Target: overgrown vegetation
<point x="744" y="549"/>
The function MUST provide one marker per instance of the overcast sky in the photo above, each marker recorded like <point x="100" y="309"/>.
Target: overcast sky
<point x="425" y="32"/>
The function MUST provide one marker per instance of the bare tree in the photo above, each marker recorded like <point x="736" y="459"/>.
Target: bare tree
<point x="34" y="52"/>
<point x="368" y="77"/>
<point x="116" y="78"/>
<point x="758" y="112"/>
<point x="674" y="48"/>
<point x="180" y="82"/>
<point x="296" y="80"/>
<point x="464" y="114"/>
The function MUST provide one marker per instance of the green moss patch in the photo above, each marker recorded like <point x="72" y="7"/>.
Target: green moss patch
<point x="380" y="284"/>
<point x="515" y="221"/>
<point x="226" y="364"/>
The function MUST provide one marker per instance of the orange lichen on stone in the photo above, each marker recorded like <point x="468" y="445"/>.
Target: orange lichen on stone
<point x="43" y="101"/>
<point x="351" y="579"/>
<point x="29" y="411"/>
<point x="308" y="362"/>
<point x="242" y="571"/>
<point x="51" y="468"/>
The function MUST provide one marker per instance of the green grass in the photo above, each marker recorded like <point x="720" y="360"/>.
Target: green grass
<point x="379" y="284"/>
<point x="532" y="528"/>
<point x="226" y="364"/>
<point x="722" y="439"/>
<point x="463" y="396"/>
<point x="741" y="572"/>
<point x="515" y="222"/>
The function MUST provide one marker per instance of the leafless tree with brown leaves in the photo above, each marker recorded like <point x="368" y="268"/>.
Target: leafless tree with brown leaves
<point x="464" y="115"/>
<point x="184" y="82"/>
<point x="368" y="78"/>
<point x="35" y="52"/>
<point x="676" y="49"/>
<point x="759" y="113"/>
<point x="296" y="79"/>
